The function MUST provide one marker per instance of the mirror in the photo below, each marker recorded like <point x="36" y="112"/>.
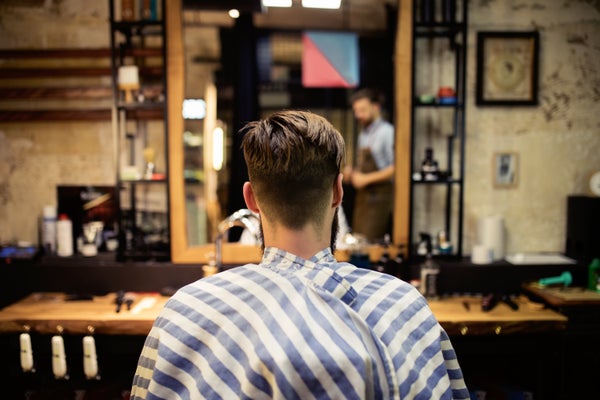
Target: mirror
<point x="194" y="183"/>
<point x="198" y="189"/>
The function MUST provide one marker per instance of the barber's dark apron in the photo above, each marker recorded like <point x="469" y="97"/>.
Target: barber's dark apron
<point x="373" y="203"/>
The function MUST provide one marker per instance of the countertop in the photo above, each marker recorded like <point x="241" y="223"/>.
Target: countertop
<point x="50" y="312"/>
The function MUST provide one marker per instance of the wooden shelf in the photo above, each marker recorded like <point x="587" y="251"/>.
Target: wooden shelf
<point x="19" y="70"/>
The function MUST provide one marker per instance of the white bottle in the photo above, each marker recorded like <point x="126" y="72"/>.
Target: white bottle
<point x="64" y="232"/>
<point x="49" y="229"/>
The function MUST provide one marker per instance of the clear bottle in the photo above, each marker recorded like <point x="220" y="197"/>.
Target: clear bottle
<point x="49" y="229"/>
<point x="64" y="231"/>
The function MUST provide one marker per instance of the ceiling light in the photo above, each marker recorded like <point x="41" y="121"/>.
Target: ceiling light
<point x="234" y="13"/>
<point x="277" y="3"/>
<point x="331" y="4"/>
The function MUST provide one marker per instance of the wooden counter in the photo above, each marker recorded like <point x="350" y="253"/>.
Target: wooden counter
<point x="463" y="316"/>
<point x="564" y="296"/>
<point x="44" y="312"/>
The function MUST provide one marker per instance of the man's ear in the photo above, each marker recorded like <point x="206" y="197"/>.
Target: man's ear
<point x="338" y="191"/>
<point x="249" y="198"/>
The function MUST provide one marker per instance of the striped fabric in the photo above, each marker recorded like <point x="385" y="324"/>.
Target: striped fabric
<point x="291" y="328"/>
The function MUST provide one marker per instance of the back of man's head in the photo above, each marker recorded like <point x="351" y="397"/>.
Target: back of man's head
<point x="293" y="159"/>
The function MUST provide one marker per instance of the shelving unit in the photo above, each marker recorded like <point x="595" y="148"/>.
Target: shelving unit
<point x="138" y="39"/>
<point x="439" y="49"/>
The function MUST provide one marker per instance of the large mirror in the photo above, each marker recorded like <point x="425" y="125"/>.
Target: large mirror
<point x="204" y="102"/>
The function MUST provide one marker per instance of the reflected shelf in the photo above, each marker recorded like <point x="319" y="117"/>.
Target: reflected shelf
<point x="438" y="182"/>
<point x="138" y="28"/>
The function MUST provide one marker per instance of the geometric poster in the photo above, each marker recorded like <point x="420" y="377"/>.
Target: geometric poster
<point x="330" y="59"/>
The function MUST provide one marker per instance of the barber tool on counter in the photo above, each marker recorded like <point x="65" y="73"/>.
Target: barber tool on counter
<point x="490" y="301"/>
<point x="126" y="298"/>
<point x="90" y="360"/>
<point x="565" y="279"/>
<point x="59" y="359"/>
<point x="26" y="351"/>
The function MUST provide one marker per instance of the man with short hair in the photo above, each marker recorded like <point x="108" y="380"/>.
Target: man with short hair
<point x="373" y="173"/>
<point x="299" y="325"/>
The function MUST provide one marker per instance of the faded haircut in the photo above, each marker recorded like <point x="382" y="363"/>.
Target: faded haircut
<point x="293" y="159"/>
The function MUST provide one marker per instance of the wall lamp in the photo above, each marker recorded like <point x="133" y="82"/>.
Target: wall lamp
<point x="329" y="4"/>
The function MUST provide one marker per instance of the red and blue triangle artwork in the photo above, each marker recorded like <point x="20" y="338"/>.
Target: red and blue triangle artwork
<point x="330" y="59"/>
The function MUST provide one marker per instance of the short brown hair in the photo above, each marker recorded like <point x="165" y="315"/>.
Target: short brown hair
<point x="293" y="159"/>
<point x="373" y="95"/>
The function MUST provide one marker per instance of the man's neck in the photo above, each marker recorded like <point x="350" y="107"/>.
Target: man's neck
<point x="303" y="243"/>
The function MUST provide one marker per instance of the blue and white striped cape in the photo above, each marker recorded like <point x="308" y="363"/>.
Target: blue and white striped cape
<point x="291" y="328"/>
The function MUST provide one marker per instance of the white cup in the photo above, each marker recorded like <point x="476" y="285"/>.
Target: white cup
<point x="481" y="254"/>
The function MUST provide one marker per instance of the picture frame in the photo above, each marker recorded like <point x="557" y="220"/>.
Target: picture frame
<point x="507" y="68"/>
<point x="505" y="171"/>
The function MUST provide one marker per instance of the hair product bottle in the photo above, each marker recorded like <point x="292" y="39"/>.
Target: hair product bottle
<point x="49" y="229"/>
<point x="64" y="232"/>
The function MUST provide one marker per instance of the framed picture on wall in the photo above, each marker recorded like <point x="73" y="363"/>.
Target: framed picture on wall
<point x="507" y="68"/>
<point x="505" y="169"/>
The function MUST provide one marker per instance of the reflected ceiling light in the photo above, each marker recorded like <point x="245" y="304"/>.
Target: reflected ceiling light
<point x="217" y="153"/>
<point x="234" y="13"/>
<point x="277" y="3"/>
<point x="330" y="4"/>
<point x="193" y="109"/>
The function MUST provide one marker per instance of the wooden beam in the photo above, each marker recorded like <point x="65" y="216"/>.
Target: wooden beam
<point x="13" y="73"/>
<point x="54" y="115"/>
<point x="75" y="53"/>
<point x="20" y="116"/>
<point x="22" y="93"/>
<point x="403" y="123"/>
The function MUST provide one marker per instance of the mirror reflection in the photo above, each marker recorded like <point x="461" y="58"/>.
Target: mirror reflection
<point x="226" y="86"/>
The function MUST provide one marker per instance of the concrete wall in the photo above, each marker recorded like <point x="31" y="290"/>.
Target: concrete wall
<point x="37" y="156"/>
<point x="558" y="142"/>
